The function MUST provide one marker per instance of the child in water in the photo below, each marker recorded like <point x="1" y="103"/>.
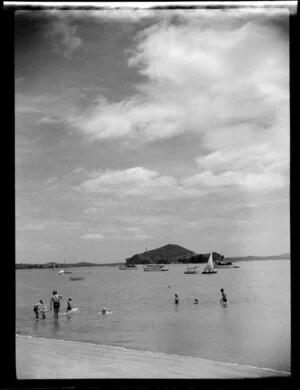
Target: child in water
<point x="37" y="309"/>
<point x="69" y="305"/>
<point x="176" y="299"/>
<point x="224" y="298"/>
<point x="43" y="309"/>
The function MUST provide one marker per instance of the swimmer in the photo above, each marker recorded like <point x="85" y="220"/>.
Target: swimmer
<point x="176" y="299"/>
<point x="196" y="301"/>
<point x="104" y="311"/>
<point x="224" y="297"/>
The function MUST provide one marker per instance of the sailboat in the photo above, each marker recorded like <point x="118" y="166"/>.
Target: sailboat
<point x="209" y="268"/>
<point x="67" y="270"/>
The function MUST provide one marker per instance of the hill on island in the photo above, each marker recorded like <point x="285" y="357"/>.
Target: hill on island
<point x="170" y="254"/>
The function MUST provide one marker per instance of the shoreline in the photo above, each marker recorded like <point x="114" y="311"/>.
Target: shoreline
<point x="40" y="358"/>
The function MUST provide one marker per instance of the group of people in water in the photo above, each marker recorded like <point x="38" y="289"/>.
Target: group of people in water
<point x="222" y="300"/>
<point x="40" y="308"/>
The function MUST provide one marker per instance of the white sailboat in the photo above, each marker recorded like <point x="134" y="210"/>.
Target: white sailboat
<point x="209" y="268"/>
<point x="67" y="270"/>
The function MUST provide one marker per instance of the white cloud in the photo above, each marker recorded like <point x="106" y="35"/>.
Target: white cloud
<point x="51" y="180"/>
<point x="132" y="181"/>
<point x="92" y="237"/>
<point x="132" y="237"/>
<point x="33" y="227"/>
<point x="90" y="210"/>
<point x="66" y="41"/>
<point x="224" y="80"/>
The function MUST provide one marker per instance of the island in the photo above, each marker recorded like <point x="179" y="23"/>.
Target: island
<point x="171" y="253"/>
<point x="168" y="254"/>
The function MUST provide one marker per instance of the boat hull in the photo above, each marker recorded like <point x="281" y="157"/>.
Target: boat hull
<point x="191" y="272"/>
<point x="127" y="268"/>
<point x="208" y="273"/>
<point x="76" y="278"/>
<point x="155" y="270"/>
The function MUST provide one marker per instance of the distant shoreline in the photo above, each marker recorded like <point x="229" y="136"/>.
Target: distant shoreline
<point x="80" y="265"/>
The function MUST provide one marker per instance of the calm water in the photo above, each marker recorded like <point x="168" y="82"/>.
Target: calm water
<point x="254" y="329"/>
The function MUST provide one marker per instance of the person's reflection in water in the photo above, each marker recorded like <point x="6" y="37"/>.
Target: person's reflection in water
<point x="56" y="327"/>
<point x="35" y="325"/>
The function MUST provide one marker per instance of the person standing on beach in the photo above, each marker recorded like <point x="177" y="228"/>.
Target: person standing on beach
<point x="55" y="302"/>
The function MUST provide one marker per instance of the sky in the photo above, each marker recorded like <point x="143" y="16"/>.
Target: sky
<point x="138" y="128"/>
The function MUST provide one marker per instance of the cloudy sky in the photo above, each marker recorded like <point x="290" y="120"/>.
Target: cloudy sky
<point x="138" y="128"/>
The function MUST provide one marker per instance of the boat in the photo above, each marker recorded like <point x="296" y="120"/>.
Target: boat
<point x="67" y="270"/>
<point x="191" y="269"/>
<point x="76" y="278"/>
<point x="155" y="267"/>
<point x="224" y="264"/>
<point x="209" y="268"/>
<point x="62" y="271"/>
<point x="128" y="266"/>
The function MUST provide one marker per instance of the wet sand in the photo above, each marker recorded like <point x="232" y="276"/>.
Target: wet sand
<point x="55" y="359"/>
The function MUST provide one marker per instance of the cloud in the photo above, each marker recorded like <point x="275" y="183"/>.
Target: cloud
<point x="247" y="181"/>
<point x="51" y="180"/>
<point x="92" y="237"/>
<point x="66" y="38"/>
<point x="33" y="227"/>
<point x="132" y="181"/>
<point x="90" y="211"/>
<point x="198" y="78"/>
<point x="132" y="237"/>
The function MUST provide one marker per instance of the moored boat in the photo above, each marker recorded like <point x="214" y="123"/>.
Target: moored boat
<point x="128" y="267"/>
<point x="76" y="278"/>
<point x="155" y="267"/>
<point x="190" y="269"/>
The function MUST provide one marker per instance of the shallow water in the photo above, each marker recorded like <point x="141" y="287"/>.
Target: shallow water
<point x="254" y="328"/>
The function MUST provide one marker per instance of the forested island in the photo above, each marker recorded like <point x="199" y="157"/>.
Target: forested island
<point x="168" y="254"/>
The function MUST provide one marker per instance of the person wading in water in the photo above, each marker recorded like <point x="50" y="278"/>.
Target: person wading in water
<point x="55" y="301"/>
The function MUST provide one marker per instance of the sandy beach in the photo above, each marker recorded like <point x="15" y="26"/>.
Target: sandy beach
<point x="55" y="359"/>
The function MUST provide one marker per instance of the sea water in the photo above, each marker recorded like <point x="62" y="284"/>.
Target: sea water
<point x="254" y="329"/>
